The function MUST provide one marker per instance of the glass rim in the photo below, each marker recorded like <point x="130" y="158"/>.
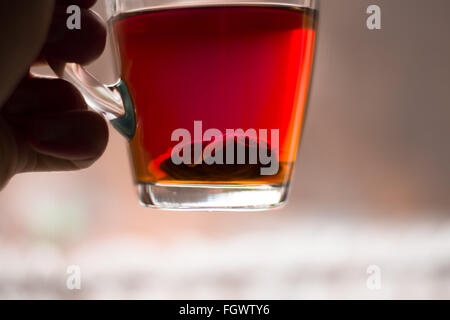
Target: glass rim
<point x="116" y="7"/>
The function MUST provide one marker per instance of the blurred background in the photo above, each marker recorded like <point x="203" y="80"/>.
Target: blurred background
<point x="371" y="187"/>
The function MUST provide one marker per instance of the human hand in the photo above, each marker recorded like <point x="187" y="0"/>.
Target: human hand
<point x="45" y="124"/>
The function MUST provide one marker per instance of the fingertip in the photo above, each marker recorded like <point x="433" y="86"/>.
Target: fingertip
<point x="40" y="95"/>
<point x="74" y="135"/>
<point x="82" y="45"/>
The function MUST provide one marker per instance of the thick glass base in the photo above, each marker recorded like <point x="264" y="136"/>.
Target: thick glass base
<point x="212" y="197"/>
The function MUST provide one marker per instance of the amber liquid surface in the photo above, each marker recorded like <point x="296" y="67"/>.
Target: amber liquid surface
<point x="229" y="67"/>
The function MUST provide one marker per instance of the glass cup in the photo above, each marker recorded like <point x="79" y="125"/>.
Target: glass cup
<point x="212" y="97"/>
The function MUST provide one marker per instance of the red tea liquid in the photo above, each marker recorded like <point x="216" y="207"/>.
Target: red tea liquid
<point x="229" y="67"/>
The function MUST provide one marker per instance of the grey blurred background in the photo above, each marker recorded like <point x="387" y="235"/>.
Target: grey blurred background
<point x="378" y="127"/>
<point x="371" y="186"/>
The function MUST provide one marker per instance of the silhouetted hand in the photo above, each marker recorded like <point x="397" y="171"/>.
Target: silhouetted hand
<point x="44" y="123"/>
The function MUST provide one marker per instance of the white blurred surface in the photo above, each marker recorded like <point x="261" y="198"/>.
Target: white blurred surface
<point x="307" y="258"/>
